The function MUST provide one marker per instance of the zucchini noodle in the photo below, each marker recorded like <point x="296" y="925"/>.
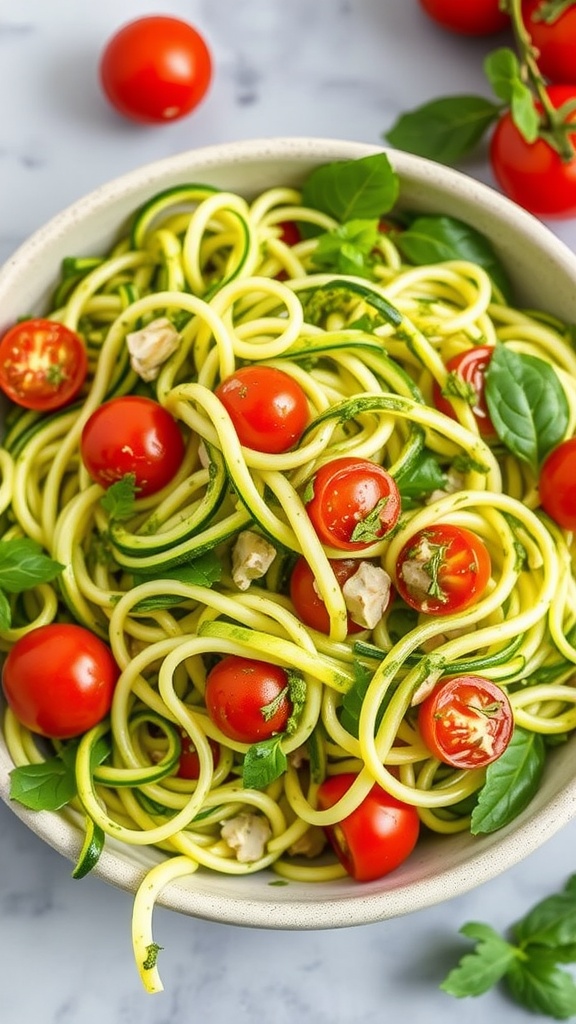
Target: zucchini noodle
<point x="368" y="352"/>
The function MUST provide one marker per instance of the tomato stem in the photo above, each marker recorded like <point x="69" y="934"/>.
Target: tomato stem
<point x="554" y="127"/>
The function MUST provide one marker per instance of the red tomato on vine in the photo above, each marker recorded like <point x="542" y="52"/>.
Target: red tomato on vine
<point x="467" y="17"/>
<point x="554" y="37"/>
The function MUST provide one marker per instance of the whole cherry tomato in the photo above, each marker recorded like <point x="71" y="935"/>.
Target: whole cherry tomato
<point x="132" y="434"/>
<point x="467" y="17"/>
<point x="59" y="680"/>
<point x="306" y="599"/>
<point x="470" y="366"/>
<point x="557" y="484"/>
<point x="376" y="837"/>
<point x="155" y="69"/>
<point x="267" y="406"/>
<point x="554" y="39"/>
<point x="533" y="174"/>
<point x="354" y="502"/>
<point x="442" y="569"/>
<point x="248" y="700"/>
<point x="466" y="721"/>
<point x="43" y="364"/>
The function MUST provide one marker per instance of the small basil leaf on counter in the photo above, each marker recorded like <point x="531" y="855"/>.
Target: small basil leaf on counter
<point x="551" y="923"/>
<point x="536" y="983"/>
<point x="511" y="782"/>
<point x="361" y="189"/>
<point x="436" y="239"/>
<point x="527" y="404"/>
<point x="479" y="971"/>
<point x="444" y="129"/>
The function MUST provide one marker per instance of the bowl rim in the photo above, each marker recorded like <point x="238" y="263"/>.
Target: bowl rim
<point x="300" y="906"/>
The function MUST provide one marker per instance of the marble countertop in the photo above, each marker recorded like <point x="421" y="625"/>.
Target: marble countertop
<point x="340" y="68"/>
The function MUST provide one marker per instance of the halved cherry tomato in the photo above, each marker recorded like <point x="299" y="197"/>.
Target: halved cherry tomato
<point x="43" y="364"/>
<point x="466" y="721"/>
<point x="555" y="40"/>
<point x="189" y="764"/>
<point x="443" y="569"/>
<point x="354" y="503"/>
<point x="376" y="837"/>
<point x="132" y="434"/>
<point x="155" y="69"/>
<point x="557" y="484"/>
<point x="306" y="599"/>
<point x="248" y="699"/>
<point x="534" y="174"/>
<point x="467" y="17"/>
<point x="59" y="680"/>
<point x="267" y="406"/>
<point x="470" y="366"/>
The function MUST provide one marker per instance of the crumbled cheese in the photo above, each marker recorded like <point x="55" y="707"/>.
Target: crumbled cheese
<point x="151" y="346"/>
<point x="366" y="594"/>
<point x="414" y="571"/>
<point x="247" y="834"/>
<point x="252" y="556"/>
<point x="298" y="757"/>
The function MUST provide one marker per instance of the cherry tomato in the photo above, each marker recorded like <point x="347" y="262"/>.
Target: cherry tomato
<point x="557" y="484"/>
<point x="532" y="173"/>
<point x="354" y="503"/>
<point x="471" y="366"/>
<point x="442" y="569"/>
<point x="290" y="232"/>
<point x="132" y="434"/>
<point x="155" y="69"/>
<point x="43" y="364"/>
<point x="307" y="602"/>
<point x="189" y="765"/>
<point x="467" y="17"/>
<point x="59" y="680"/>
<point x="267" y="406"/>
<point x="376" y="837"/>
<point x="554" y="40"/>
<point x="466" y="721"/>
<point x="248" y="699"/>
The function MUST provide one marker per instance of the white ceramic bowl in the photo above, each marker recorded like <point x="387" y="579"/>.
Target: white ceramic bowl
<point x="543" y="271"/>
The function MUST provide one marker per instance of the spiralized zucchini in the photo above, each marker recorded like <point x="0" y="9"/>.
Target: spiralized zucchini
<point x="366" y="351"/>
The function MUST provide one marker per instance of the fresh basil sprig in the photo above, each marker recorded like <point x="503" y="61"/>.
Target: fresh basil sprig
<point x="347" y="190"/>
<point x="266" y="761"/>
<point x="529" y="964"/>
<point x="22" y="565"/>
<point x="527" y="404"/>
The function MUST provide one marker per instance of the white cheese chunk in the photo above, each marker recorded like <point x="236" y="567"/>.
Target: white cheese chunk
<point x="247" y="834"/>
<point x="151" y="346"/>
<point x="252" y="556"/>
<point x="366" y="594"/>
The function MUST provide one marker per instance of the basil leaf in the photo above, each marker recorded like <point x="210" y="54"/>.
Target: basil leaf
<point x="435" y="239"/>
<point x="503" y="71"/>
<point x="511" y="782"/>
<point x="420" y="477"/>
<point x="119" y="499"/>
<point x="551" y="923"/>
<point x="263" y="763"/>
<point x="47" y="786"/>
<point x="542" y="987"/>
<point x="477" y="972"/>
<point x="444" y="129"/>
<point x="23" y="565"/>
<point x="348" y="249"/>
<point x="527" y="404"/>
<point x="361" y="189"/>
